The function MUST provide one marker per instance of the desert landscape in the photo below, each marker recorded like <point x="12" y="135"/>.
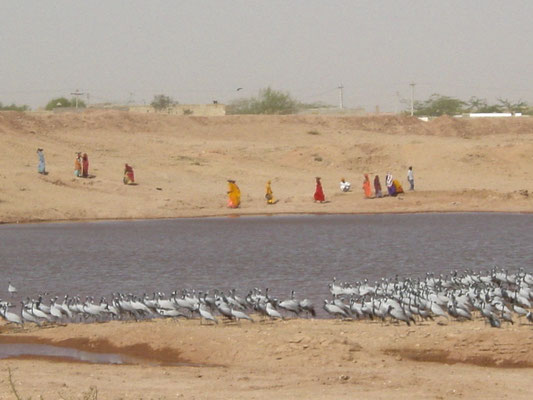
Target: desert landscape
<point x="182" y="163"/>
<point x="181" y="166"/>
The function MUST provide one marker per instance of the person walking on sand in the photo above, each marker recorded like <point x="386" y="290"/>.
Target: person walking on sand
<point x="269" y="196"/>
<point x="397" y="186"/>
<point x="345" y="186"/>
<point x="234" y="194"/>
<point x="377" y="187"/>
<point x="390" y="186"/>
<point x="42" y="164"/>
<point x="411" y="178"/>
<point x="129" y="176"/>
<point x="319" y="193"/>
<point x="77" y="165"/>
<point x="367" y="188"/>
<point x="85" y="165"/>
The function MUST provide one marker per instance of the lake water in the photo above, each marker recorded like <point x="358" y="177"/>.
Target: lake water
<point x="283" y="253"/>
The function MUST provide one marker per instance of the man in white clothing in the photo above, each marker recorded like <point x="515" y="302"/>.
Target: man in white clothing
<point x="411" y="178"/>
<point x="345" y="186"/>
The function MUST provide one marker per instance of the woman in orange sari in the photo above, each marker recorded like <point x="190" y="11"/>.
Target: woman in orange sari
<point x="234" y="194"/>
<point x="366" y="187"/>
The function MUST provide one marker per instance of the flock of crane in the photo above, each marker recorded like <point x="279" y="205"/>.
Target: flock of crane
<point x="497" y="296"/>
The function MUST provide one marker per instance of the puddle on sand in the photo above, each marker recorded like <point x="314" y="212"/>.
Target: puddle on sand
<point x="95" y="352"/>
<point x="14" y="350"/>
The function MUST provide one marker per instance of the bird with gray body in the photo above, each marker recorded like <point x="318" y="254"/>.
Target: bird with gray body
<point x="272" y="312"/>
<point x="10" y="317"/>
<point x="399" y="315"/>
<point x="291" y="305"/>
<point x="494" y="322"/>
<point x="11" y="289"/>
<point x="307" y="306"/>
<point x="205" y="314"/>
<point x="238" y="315"/>
<point x="223" y="308"/>
<point x="335" y="310"/>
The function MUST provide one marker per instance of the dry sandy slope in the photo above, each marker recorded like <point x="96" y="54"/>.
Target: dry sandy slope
<point x="460" y="165"/>
<point x="296" y="359"/>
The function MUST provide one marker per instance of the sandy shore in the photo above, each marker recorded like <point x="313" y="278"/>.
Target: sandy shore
<point x="181" y="166"/>
<point x="295" y="359"/>
<point x="182" y="163"/>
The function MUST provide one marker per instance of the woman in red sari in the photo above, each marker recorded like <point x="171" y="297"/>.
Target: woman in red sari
<point x="319" y="193"/>
<point x="85" y="165"/>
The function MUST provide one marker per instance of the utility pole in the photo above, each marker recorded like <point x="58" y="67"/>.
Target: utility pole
<point x="412" y="84"/>
<point x="341" y="99"/>
<point x="77" y="93"/>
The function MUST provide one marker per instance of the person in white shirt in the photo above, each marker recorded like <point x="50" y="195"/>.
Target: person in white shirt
<point x="411" y="178"/>
<point x="345" y="186"/>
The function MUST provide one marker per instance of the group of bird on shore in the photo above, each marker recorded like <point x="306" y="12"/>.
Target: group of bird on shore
<point x="496" y="295"/>
<point x="183" y="304"/>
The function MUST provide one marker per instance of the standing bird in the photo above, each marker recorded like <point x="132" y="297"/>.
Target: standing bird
<point x="291" y="305"/>
<point x="10" y="317"/>
<point x="272" y="312"/>
<point x="335" y="310"/>
<point x="307" y="306"/>
<point x="398" y="314"/>
<point x="238" y="315"/>
<point x="205" y="314"/>
<point x="11" y="289"/>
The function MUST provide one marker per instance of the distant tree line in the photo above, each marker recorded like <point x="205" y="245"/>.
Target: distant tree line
<point x="437" y="105"/>
<point x="162" y="102"/>
<point x="13" y="107"/>
<point x="269" y="101"/>
<point x="60" y="102"/>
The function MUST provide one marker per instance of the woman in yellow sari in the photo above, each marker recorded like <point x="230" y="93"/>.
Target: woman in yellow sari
<point x="398" y="186"/>
<point x="234" y="194"/>
<point x="269" y="196"/>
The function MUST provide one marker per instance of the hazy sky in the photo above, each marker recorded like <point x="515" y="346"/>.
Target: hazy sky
<point x="200" y="50"/>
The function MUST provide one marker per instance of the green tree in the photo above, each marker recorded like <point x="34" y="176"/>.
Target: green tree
<point x="64" y="102"/>
<point x="268" y="101"/>
<point x="477" y="105"/>
<point x="438" y="105"/>
<point x="13" y="107"/>
<point x="518" y="107"/>
<point x="161" y="102"/>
